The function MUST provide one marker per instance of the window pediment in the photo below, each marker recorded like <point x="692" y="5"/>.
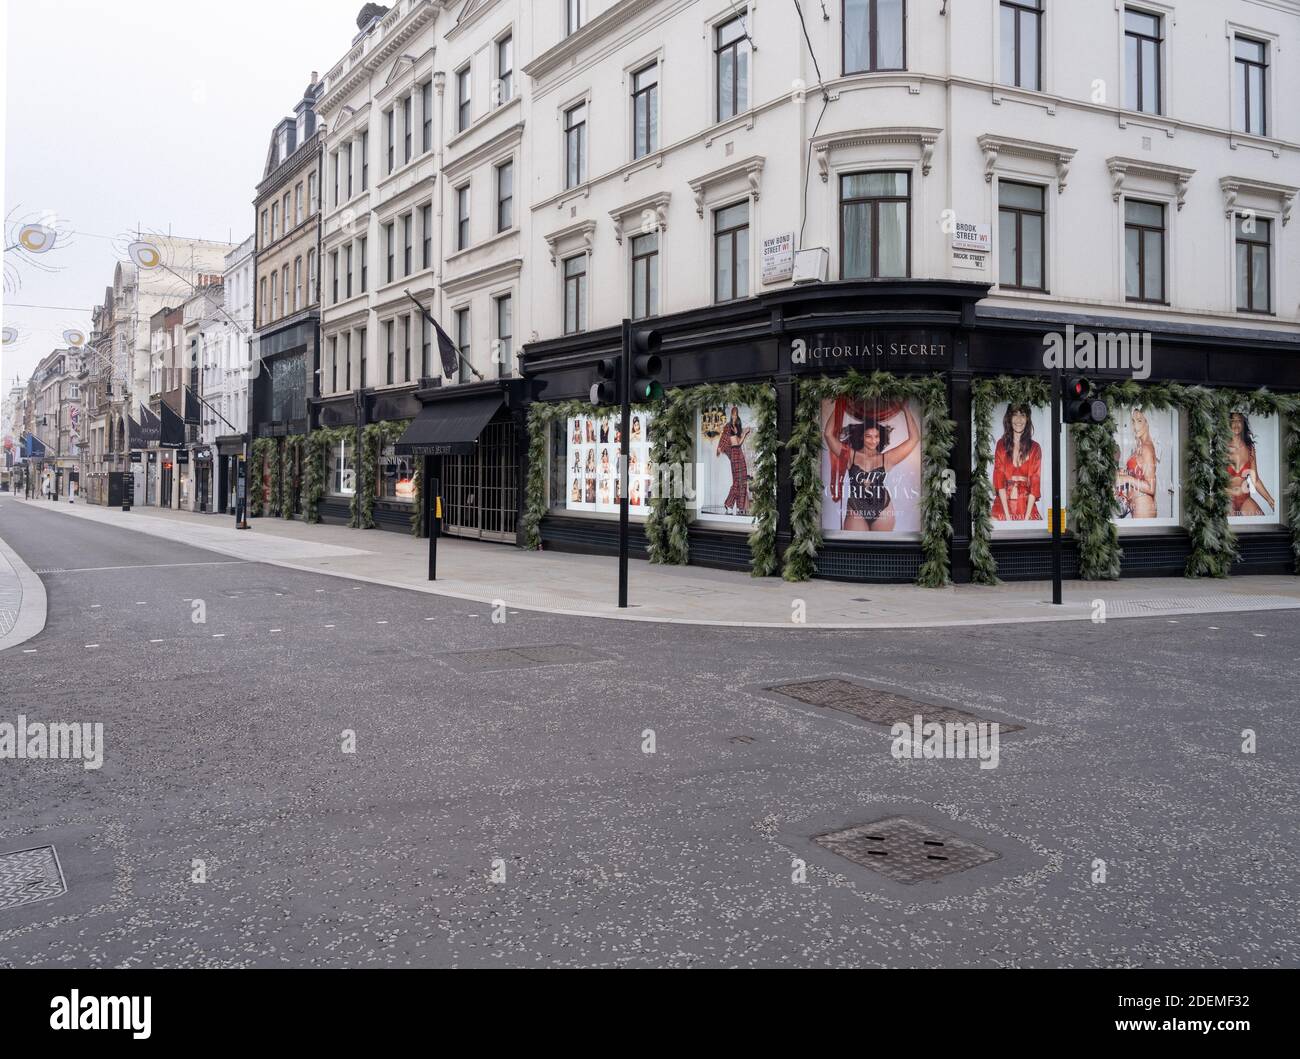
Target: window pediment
<point x="750" y="168"/>
<point x="921" y="138"/>
<point x="1122" y="169"/>
<point x="996" y="147"/>
<point x="642" y="211"/>
<point x="574" y="237"/>
<point x="1234" y="187"/>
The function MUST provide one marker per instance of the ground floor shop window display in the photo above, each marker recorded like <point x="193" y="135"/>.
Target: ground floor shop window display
<point x="343" y="472"/>
<point x="1148" y="477"/>
<point x="726" y="456"/>
<point x="396" y="477"/>
<point x="1253" y="469"/>
<point x="1019" y="468"/>
<point x="593" y="446"/>
<point x="871" y="466"/>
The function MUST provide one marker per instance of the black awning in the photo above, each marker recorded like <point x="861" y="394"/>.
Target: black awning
<point x="449" y="428"/>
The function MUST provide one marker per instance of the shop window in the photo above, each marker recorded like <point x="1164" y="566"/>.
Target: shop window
<point x="343" y="475"/>
<point x="585" y="462"/>
<point x="395" y="476"/>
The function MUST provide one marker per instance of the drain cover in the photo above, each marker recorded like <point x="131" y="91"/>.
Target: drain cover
<point x="904" y="850"/>
<point x="521" y="657"/>
<point x="28" y="876"/>
<point x="878" y="707"/>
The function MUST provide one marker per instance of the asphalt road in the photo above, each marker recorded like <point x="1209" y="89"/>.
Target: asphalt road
<point x="223" y="745"/>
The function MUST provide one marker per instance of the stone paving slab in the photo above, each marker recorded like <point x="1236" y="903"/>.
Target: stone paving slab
<point x="583" y="585"/>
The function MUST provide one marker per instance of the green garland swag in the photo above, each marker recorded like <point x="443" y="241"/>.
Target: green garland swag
<point x="264" y="452"/>
<point x="316" y="447"/>
<point x="290" y="490"/>
<point x="417" y="515"/>
<point x="668" y="527"/>
<point x="985" y="395"/>
<point x="938" y="434"/>
<point x="540" y="417"/>
<point x="373" y="438"/>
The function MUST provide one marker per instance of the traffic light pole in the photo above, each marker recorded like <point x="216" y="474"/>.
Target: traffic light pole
<point x="625" y="450"/>
<point x="1056" y="487"/>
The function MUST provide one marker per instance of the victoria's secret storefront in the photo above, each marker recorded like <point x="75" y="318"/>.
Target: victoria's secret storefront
<point x="779" y="392"/>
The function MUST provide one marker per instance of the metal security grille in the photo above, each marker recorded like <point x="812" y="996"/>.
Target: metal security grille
<point x="479" y="494"/>
<point x="907" y="851"/>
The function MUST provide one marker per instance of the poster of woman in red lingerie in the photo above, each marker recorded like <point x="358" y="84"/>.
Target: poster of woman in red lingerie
<point x="871" y="466"/>
<point x="725" y="457"/>
<point x="1147" y="479"/>
<point x="1252" y="469"/>
<point x="1017" y="469"/>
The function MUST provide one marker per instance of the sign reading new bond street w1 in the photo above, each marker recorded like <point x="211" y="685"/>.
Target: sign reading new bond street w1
<point x="912" y="350"/>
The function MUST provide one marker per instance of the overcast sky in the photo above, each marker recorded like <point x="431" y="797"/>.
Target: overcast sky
<point x="158" y="114"/>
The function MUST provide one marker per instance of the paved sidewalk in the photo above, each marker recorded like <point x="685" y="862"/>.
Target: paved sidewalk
<point x="22" y="600"/>
<point x="583" y="585"/>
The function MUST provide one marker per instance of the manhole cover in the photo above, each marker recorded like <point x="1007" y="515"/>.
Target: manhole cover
<point x="904" y="850"/>
<point x="495" y="658"/>
<point x="878" y="707"/>
<point x="30" y="875"/>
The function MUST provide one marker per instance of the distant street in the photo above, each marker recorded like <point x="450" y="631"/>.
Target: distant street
<point x="501" y="810"/>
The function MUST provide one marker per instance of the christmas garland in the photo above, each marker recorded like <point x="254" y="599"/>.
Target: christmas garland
<point x="293" y="446"/>
<point x="317" y="445"/>
<point x="938" y="433"/>
<point x="264" y="451"/>
<point x="668" y="527"/>
<point x="985" y="394"/>
<point x="540" y="417"/>
<point x="373" y="438"/>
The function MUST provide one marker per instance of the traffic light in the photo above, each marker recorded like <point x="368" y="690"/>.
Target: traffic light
<point x="647" y="366"/>
<point x="605" y="391"/>
<point x="1080" y="406"/>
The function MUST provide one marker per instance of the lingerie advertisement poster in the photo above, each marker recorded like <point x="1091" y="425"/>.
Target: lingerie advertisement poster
<point x="871" y="467"/>
<point x="592" y="452"/>
<point x="1254" y="484"/>
<point x="1148" y="477"/>
<point x="1020" y="468"/>
<point x="725" y="459"/>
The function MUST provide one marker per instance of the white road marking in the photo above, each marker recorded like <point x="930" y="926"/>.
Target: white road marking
<point x="152" y="566"/>
<point x="381" y="623"/>
<point x="329" y="626"/>
<point x="90" y="645"/>
<point x="30" y="651"/>
<point x="1259" y="634"/>
<point x="218" y="635"/>
<point x="277" y="630"/>
<point x="155" y="641"/>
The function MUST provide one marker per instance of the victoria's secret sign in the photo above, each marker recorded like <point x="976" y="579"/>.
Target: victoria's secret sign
<point x="873" y="351"/>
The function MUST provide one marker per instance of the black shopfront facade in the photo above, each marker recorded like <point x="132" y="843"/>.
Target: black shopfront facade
<point x="796" y="339"/>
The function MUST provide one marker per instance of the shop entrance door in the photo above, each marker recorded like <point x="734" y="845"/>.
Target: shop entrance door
<point x="479" y="489"/>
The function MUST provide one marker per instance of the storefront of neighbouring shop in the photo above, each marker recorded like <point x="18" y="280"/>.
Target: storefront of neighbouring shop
<point x="901" y="432"/>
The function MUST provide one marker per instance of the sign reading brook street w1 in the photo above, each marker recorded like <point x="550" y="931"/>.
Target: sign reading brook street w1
<point x="871" y="351"/>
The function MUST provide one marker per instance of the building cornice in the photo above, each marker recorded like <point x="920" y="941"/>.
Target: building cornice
<point x="1121" y="169"/>
<point x="306" y="154"/>
<point x="995" y="146"/>
<point x="487" y="276"/>
<point x="396" y="35"/>
<point x="453" y="168"/>
<point x="569" y="48"/>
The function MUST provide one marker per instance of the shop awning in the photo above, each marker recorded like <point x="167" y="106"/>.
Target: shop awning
<point x="448" y="428"/>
